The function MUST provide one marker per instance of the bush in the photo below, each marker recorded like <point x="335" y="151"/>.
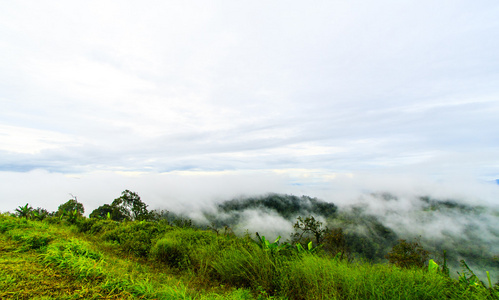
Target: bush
<point x="135" y="237"/>
<point x="171" y="252"/>
<point x="52" y="220"/>
<point x="85" y="225"/>
<point x="101" y="226"/>
<point x="197" y="247"/>
<point x="94" y="225"/>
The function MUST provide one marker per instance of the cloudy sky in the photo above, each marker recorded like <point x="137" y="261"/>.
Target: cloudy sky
<point x="282" y="93"/>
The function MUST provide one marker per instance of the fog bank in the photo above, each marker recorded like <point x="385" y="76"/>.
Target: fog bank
<point x="192" y="191"/>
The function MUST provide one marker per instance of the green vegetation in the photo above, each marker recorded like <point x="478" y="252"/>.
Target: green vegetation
<point x="406" y="255"/>
<point x="288" y="206"/>
<point x="146" y="256"/>
<point x="357" y="233"/>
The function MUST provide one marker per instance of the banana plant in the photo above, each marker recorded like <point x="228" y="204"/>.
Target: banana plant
<point x="71" y="215"/>
<point x="310" y="248"/>
<point x="433" y="266"/>
<point x="39" y="214"/>
<point x="268" y="246"/>
<point x="24" y="211"/>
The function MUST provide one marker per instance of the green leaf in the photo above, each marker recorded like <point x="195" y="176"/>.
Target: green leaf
<point x="432" y="266"/>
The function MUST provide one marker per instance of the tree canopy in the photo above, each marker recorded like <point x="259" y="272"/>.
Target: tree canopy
<point x="72" y="206"/>
<point x="107" y="211"/>
<point x="130" y="205"/>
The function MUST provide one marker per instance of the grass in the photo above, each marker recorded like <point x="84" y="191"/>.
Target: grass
<point x="151" y="260"/>
<point x="24" y="276"/>
<point x="316" y="277"/>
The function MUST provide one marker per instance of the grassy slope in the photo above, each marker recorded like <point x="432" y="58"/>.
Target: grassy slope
<point x="68" y="266"/>
<point x="45" y="261"/>
<point x="24" y="276"/>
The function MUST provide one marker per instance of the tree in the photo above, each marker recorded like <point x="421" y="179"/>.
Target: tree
<point x="308" y="227"/>
<point x="71" y="210"/>
<point x="408" y="255"/>
<point x="130" y="205"/>
<point x="103" y="211"/>
<point x="335" y="242"/>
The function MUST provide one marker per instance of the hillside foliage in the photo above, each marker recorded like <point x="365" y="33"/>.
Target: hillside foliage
<point x="147" y="255"/>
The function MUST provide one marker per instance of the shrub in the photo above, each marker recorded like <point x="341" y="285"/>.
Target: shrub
<point x="101" y="226"/>
<point x="85" y="225"/>
<point x="52" y="220"/>
<point x="408" y="255"/>
<point x="94" y="225"/>
<point x="171" y="252"/>
<point x="135" y="237"/>
<point x="195" y="247"/>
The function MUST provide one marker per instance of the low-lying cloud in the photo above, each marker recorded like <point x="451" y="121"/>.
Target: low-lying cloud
<point x="189" y="191"/>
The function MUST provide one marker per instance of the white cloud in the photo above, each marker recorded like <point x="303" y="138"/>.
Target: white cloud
<point x="211" y="86"/>
<point x="31" y="141"/>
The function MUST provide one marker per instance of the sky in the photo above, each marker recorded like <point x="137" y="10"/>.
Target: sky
<point x="190" y="99"/>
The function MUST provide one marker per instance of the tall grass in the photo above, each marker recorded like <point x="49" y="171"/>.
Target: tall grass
<point x="314" y="277"/>
<point x="248" y="267"/>
<point x="77" y="257"/>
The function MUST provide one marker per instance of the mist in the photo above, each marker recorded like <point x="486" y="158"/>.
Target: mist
<point x="192" y="191"/>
